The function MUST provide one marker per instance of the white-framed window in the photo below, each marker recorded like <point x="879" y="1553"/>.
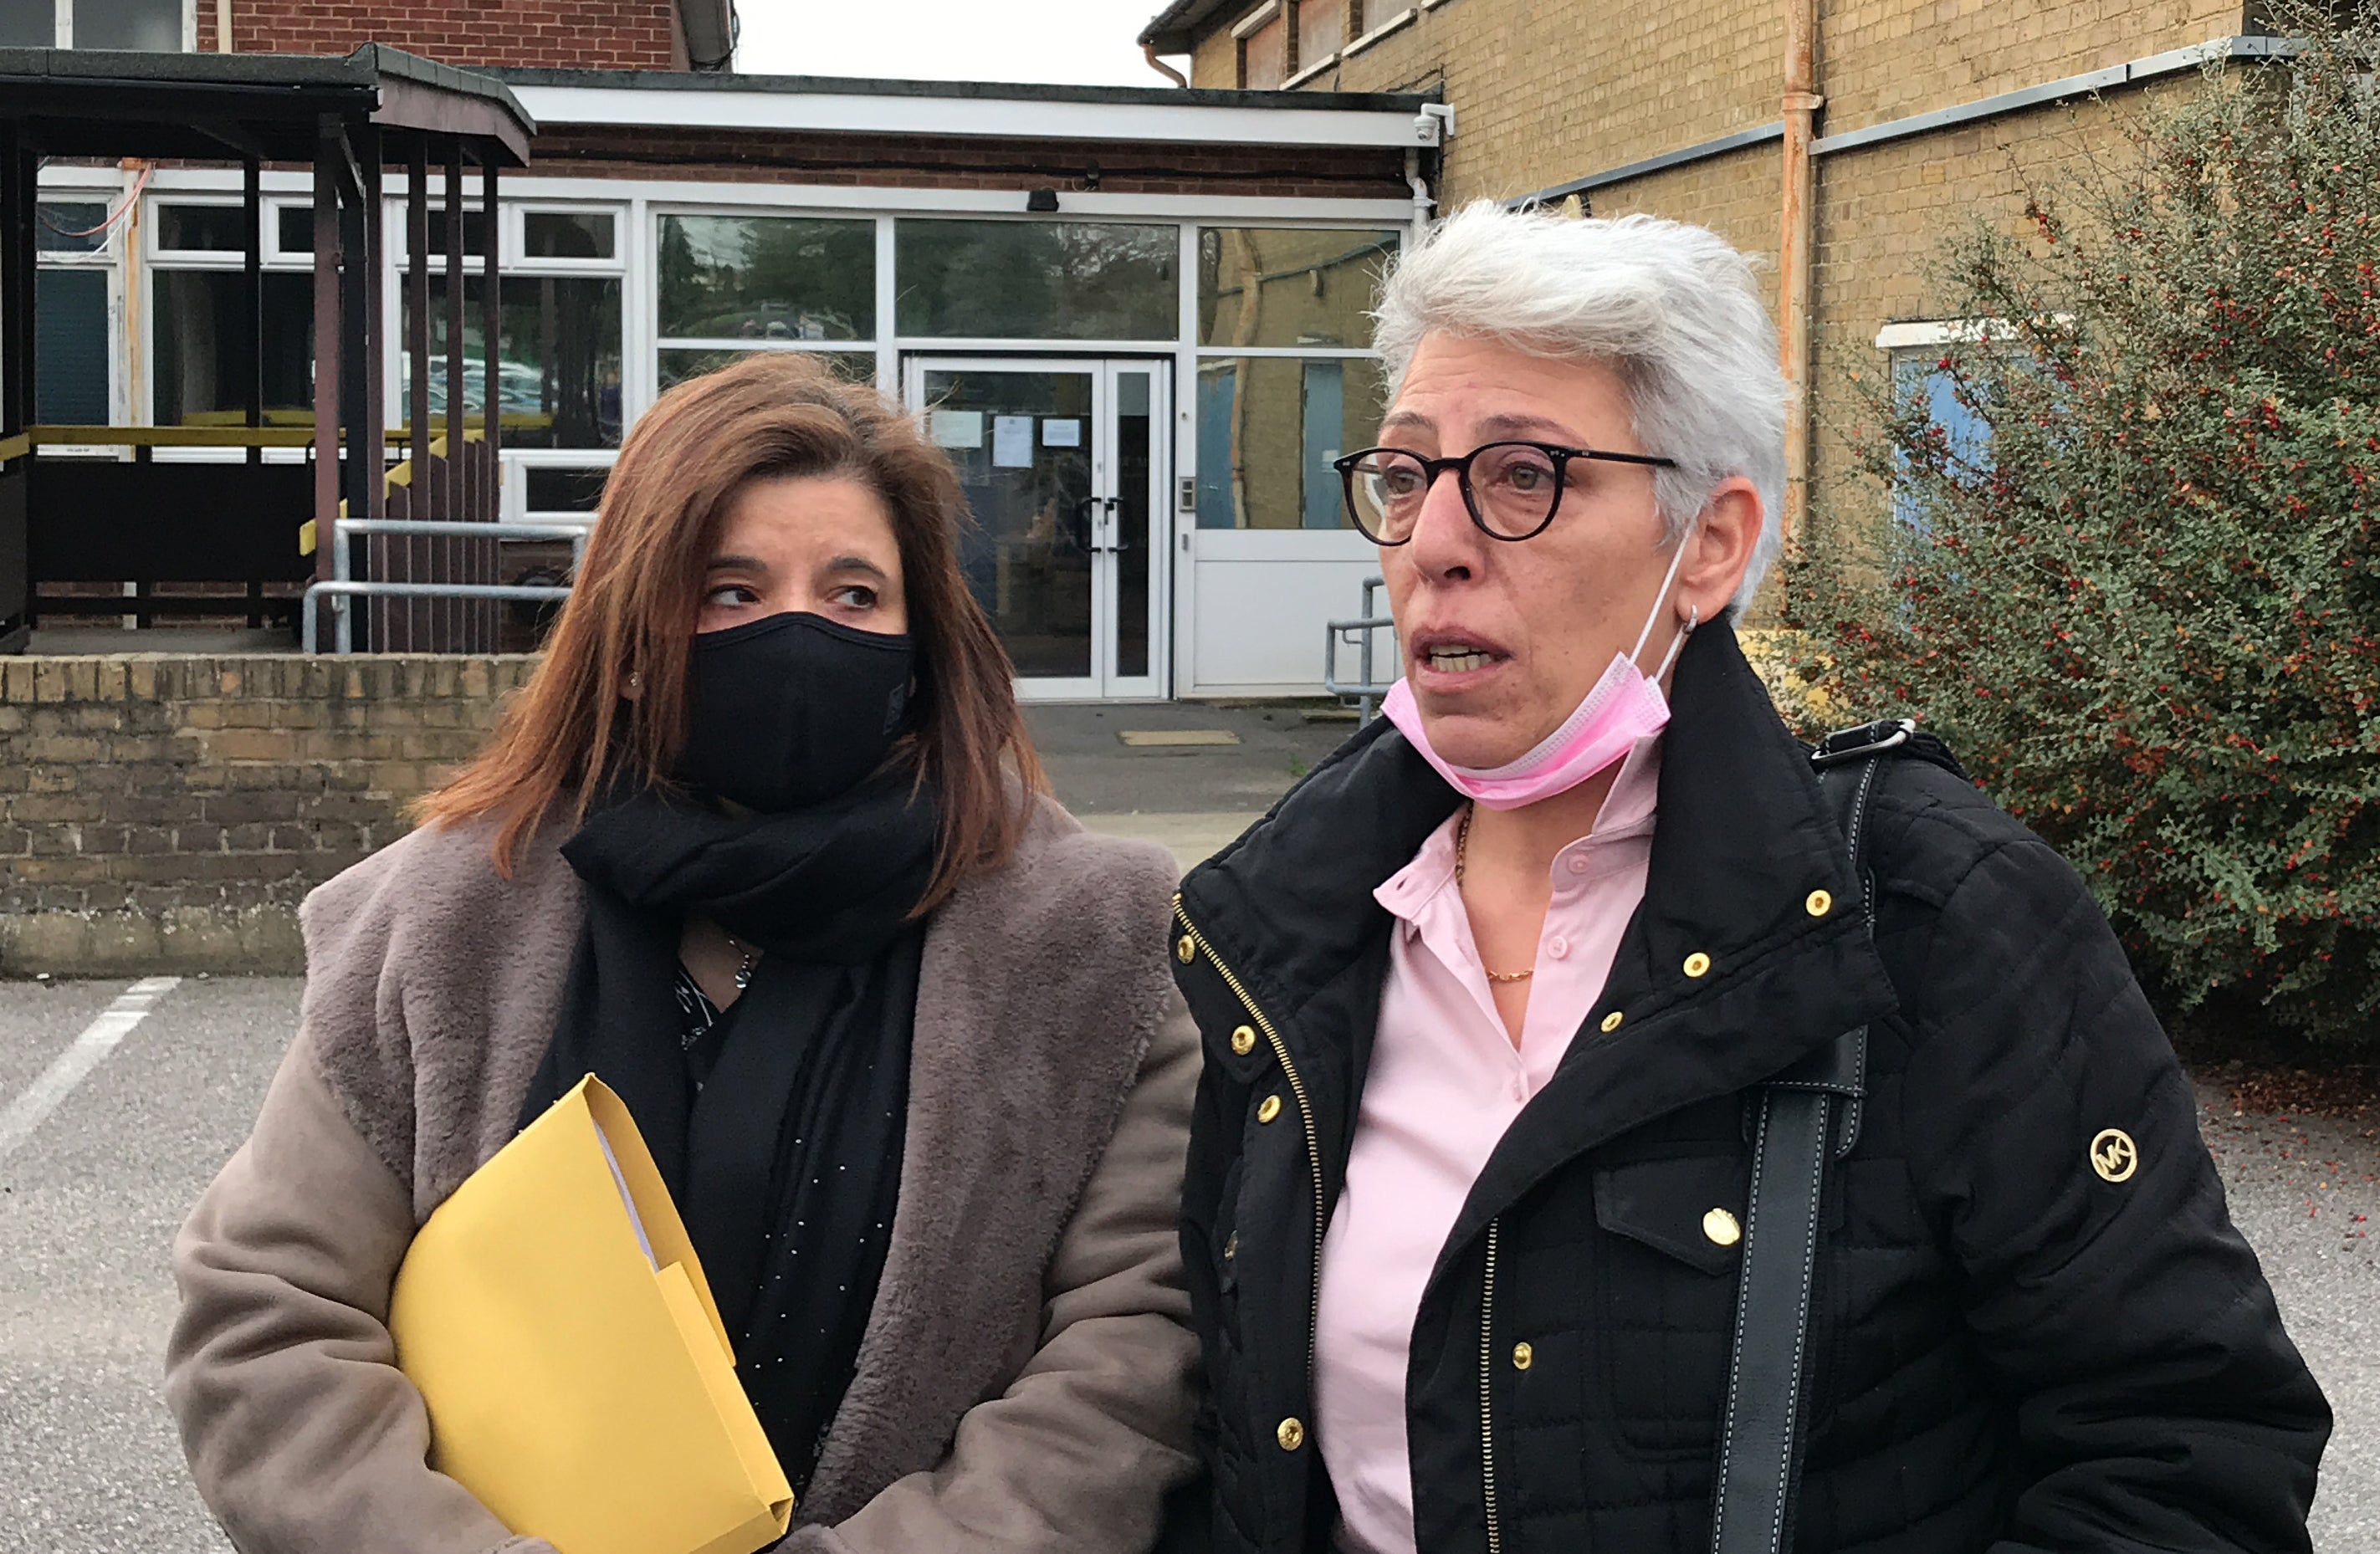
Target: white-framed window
<point x="1915" y="352"/>
<point x="1287" y="379"/>
<point x="150" y="26"/>
<point x="195" y="361"/>
<point x="560" y="357"/>
<point x="728" y="283"/>
<point x="76" y="291"/>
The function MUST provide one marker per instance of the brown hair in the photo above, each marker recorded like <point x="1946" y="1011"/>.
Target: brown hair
<point x="631" y="611"/>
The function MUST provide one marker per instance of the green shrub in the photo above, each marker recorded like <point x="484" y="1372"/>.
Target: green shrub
<point x="2147" y="614"/>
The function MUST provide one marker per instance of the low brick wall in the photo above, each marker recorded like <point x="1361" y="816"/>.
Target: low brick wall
<point x="160" y="813"/>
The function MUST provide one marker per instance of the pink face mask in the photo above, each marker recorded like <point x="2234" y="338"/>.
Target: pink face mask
<point x="1623" y="708"/>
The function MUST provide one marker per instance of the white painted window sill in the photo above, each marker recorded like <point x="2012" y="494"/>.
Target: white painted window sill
<point x="1396" y="23"/>
<point x="1325" y="62"/>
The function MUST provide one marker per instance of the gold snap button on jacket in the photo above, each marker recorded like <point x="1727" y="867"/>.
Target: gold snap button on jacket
<point x="1523" y="1356"/>
<point x="1291" y="1434"/>
<point x="1819" y="904"/>
<point x="1267" y="1108"/>
<point x="1612" y="1022"/>
<point x="1697" y="964"/>
<point x="1244" y="1041"/>
<point x="1185" y="949"/>
<point x="1721" y="1228"/>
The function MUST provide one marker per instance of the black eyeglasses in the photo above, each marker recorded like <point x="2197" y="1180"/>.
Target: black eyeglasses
<point x="1512" y="489"/>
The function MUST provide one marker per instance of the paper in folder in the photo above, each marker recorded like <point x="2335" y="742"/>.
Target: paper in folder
<point x="579" y="1383"/>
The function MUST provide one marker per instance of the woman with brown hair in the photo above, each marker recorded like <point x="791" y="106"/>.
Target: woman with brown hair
<point x="763" y="845"/>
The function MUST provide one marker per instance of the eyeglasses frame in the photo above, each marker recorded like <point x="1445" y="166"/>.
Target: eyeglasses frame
<point x="1460" y="464"/>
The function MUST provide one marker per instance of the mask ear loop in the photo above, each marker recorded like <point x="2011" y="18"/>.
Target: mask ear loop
<point x="1660" y="598"/>
<point x="1677" y="643"/>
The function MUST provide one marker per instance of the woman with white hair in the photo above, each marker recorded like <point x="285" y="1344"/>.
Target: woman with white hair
<point x="1623" y="1128"/>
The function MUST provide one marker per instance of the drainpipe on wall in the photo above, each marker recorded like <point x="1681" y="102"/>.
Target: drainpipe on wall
<point x="1148" y="52"/>
<point x="223" y="26"/>
<point x="1422" y="202"/>
<point x="1802" y="105"/>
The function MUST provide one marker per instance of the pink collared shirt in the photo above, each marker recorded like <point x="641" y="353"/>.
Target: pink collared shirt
<point x="1446" y="1081"/>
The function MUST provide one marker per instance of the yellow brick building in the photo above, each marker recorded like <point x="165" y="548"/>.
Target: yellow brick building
<point x="1922" y="115"/>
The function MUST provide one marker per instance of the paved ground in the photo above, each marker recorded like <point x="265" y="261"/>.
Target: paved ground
<point x="1192" y="798"/>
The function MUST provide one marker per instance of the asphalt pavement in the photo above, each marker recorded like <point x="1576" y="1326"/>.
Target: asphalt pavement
<point x="90" y="1193"/>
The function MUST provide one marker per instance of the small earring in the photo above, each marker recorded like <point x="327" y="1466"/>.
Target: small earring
<point x="635" y="680"/>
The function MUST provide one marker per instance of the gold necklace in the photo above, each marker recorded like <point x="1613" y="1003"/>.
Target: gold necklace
<point x="1462" y="854"/>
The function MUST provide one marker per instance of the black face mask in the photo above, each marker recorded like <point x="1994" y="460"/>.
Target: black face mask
<point x="786" y="712"/>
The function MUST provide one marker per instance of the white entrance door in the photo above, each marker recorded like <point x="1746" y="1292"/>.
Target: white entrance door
<point x="1062" y="463"/>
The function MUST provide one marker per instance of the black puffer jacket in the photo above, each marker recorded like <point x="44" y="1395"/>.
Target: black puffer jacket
<point x="2010" y="1351"/>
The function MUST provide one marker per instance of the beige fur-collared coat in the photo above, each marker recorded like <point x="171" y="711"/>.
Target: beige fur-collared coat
<point x="1025" y="1382"/>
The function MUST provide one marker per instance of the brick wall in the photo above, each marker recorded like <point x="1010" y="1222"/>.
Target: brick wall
<point x="555" y="35"/>
<point x="166" y="813"/>
<point x="1548" y="93"/>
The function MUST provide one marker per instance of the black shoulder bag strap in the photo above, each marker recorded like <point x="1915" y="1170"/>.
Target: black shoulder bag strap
<point x="1760" y="1464"/>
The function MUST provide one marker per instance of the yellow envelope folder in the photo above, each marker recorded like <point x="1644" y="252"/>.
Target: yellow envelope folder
<point x="580" y="1385"/>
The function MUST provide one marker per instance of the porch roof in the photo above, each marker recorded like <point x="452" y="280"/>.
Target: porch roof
<point x="213" y="107"/>
<point x="998" y="109"/>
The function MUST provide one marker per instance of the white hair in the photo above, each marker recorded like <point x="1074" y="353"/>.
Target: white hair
<point x="1672" y="308"/>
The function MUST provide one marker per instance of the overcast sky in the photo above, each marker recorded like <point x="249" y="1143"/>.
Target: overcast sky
<point x="1082" y="42"/>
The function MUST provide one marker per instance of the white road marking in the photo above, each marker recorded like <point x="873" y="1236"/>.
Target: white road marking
<point x="25" y="1113"/>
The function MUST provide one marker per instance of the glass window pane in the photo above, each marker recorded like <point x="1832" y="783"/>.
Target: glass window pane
<point x="1319" y="25"/>
<point x="1264" y="56"/>
<point x="296" y="228"/>
<point x="767" y="278"/>
<point x="678" y="365"/>
<point x="559" y="365"/>
<point x="200" y="376"/>
<point x="1028" y="280"/>
<point x="1261" y="286"/>
<point x="1268" y="428"/>
<point x="475" y="232"/>
<point x="569" y="235"/>
<point x="564" y="491"/>
<point x="1028" y="556"/>
<point x="66" y="226"/>
<point x="154" y="24"/>
<point x="202" y="228"/>
<point x="70" y="347"/>
<point x="28" y="24"/>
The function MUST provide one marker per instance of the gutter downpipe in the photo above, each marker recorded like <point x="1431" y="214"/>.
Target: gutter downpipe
<point x="1148" y="52"/>
<point x="223" y="26"/>
<point x="1802" y="105"/>
<point x="1422" y="202"/>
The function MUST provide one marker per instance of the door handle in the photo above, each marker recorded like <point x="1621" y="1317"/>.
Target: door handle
<point x="1112" y="541"/>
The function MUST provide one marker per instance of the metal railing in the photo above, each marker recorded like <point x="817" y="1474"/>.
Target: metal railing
<point x="1367" y="689"/>
<point x="339" y="590"/>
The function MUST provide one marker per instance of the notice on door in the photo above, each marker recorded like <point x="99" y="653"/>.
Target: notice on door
<point x="1012" y="441"/>
<point x="1058" y="434"/>
<point x="956" y="429"/>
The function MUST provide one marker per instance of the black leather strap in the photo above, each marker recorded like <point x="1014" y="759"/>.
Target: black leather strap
<point x="1752" y="1499"/>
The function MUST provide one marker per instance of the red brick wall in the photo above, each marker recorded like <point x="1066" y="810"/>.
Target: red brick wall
<point x="554" y="34"/>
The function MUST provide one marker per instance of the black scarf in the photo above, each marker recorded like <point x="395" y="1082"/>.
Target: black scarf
<point x="786" y="1166"/>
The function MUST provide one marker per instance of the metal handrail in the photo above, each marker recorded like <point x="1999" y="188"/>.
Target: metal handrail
<point x="339" y="590"/>
<point x="1367" y="691"/>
